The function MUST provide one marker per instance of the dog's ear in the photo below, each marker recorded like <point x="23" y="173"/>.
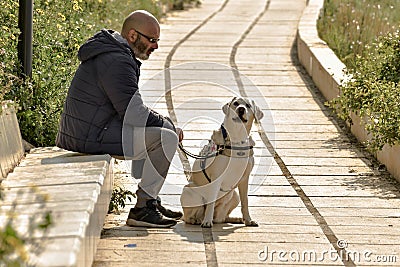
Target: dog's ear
<point x="258" y="114"/>
<point x="226" y="107"/>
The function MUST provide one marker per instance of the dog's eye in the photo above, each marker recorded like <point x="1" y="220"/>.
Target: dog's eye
<point x="248" y="105"/>
<point x="236" y="103"/>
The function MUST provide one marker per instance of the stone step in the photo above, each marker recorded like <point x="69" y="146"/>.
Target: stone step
<point x="75" y="189"/>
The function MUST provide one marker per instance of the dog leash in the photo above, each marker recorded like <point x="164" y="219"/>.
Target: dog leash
<point x="220" y="148"/>
<point x="202" y="158"/>
<point x="219" y="151"/>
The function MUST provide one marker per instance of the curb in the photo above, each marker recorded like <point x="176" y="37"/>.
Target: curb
<point x="12" y="150"/>
<point x="326" y="70"/>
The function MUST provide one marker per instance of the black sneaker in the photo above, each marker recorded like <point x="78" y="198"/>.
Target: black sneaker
<point x="148" y="216"/>
<point x="176" y="215"/>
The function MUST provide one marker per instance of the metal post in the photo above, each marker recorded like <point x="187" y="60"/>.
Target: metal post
<point x="25" y="38"/>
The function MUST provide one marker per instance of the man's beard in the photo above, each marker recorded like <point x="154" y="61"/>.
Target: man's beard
<point x="140" y="49"/>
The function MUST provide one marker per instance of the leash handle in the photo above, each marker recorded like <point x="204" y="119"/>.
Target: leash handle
<point x="197" y="156"/>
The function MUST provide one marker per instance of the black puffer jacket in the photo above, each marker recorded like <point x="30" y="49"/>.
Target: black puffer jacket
<point x="99" y="95"/>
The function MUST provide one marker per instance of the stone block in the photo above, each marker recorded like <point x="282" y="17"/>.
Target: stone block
<point x="75" y="188"/>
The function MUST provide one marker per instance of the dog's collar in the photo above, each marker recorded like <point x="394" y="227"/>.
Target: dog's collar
<point x="235" y="151"/>
<point x="224" y="132"/>
<point x="222" y="148"/>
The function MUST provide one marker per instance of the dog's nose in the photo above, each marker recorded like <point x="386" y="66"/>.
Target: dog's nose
<point x="241" y="111"/>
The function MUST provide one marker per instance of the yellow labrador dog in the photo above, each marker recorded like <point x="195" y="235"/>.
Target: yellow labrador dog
<point x="226" y="164"/>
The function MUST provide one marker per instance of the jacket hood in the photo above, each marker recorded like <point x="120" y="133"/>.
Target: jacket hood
<point x="104" y="41"/>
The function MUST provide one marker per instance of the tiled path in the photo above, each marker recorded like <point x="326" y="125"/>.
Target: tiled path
<point x="319" y="196"/>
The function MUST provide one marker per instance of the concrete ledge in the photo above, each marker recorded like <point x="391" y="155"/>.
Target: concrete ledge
<point x="11" y="150"/>
<point x="327" y="73"/>
<point x="75" y="188"/>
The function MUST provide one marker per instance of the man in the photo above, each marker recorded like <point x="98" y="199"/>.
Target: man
<point x="104" y="113"/>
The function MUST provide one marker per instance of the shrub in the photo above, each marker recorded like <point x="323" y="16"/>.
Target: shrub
<point x="348" y="25"/>
<point x="365" y="36"/>
<point x="118" y="198"/>
<point x="9" y="65"/>
<point x="373" y="91"/>
<point x="59" y="28"/>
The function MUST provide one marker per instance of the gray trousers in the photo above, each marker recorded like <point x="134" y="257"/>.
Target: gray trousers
<point x="153" y="150"/>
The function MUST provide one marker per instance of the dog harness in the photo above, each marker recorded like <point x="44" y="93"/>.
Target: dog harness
<point x="213" y="150"/>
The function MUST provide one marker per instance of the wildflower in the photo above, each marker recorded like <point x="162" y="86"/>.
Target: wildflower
<point x="39" y="11"/>
<point x="75" y="5"/>
<point x="61" y="16"/>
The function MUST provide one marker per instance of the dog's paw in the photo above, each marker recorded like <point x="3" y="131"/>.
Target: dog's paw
<point x="193" y="220"/>
<point x="206" y="224"/>
<point x="251" y="223"/>
<point x="234" y="220"/>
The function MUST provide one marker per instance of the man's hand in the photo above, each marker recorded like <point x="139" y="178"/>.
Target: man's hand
<point x="179" y="132"/>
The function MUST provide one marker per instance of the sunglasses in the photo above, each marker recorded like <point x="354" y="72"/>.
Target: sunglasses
<point x="151" y="40"/>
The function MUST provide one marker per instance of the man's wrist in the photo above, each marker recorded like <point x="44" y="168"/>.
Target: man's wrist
<point x="170" y="121"/>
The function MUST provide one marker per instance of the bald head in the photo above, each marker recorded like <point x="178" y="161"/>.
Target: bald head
<point x="142" y="31"/>
<point x="141" y="21"/>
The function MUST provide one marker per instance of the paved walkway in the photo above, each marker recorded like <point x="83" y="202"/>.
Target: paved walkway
<point x="314" y="192"/>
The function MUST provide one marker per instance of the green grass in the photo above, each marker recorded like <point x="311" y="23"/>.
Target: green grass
<point x="348" y="26"/>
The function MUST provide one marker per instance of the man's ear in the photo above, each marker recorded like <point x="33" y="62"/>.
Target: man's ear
<point x="132" y="36"/>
